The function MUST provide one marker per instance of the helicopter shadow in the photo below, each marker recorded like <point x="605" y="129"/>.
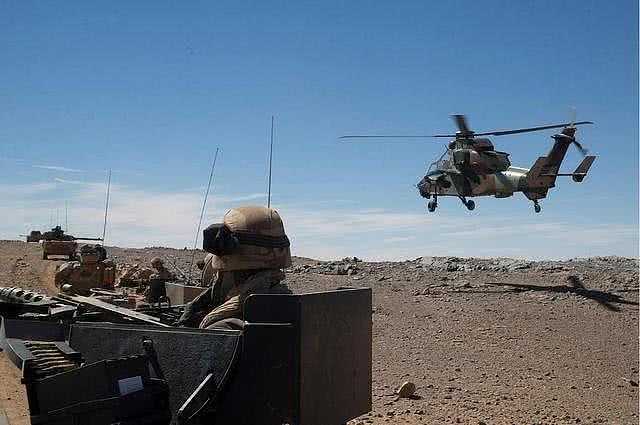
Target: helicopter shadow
<point x="605" y="299"/>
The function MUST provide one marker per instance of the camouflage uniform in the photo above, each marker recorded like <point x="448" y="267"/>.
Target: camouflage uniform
<point x="93" y="270"/>
<point x="161" y="273"/>
<point x="260" y="251"/>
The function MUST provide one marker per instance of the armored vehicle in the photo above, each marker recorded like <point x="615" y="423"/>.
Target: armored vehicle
<point x="301" y="359"/>
<point x="56" y="242"/>
<point x="34" y="236"/>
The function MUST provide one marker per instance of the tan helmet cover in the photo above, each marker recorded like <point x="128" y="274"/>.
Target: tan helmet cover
<point x="257" y="220"/>
<point x="157" y="262"/>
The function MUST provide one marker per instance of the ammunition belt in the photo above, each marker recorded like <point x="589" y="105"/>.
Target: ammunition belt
<point x="49" y="359"/>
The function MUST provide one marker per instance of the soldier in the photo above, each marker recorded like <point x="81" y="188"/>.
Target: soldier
<point x="93" y="270"/>
<point x="162" y="273"/>
<point x="247" y="254"/>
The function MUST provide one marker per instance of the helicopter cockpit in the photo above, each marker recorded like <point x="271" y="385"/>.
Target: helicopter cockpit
<point x="442" y="164"/>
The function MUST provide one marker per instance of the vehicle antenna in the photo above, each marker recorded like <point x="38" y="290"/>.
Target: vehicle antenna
<point x="106" y="207"/>
<point x="270" y="163"/>
<point x="204" y="203"/>
<point x="66" y="217"/>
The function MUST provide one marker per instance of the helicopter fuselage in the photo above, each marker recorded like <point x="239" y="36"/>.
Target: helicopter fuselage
<point x="472" y="167"/>
<point x="465" y="178"/>
<point x="501" y="184"/>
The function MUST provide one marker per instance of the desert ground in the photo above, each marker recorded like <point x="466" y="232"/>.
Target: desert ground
<point x="488" y="341"/>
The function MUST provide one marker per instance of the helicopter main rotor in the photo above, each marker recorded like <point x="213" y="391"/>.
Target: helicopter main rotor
<point x="465" y="133"/>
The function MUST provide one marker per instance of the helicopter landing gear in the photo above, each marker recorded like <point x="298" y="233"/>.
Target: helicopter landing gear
<point x="433" y="204"/>
<point x="469" y="204"/>
<point x="536" y="206"/>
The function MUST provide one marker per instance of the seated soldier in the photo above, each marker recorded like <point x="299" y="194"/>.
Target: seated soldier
<point x="161" y="273"/>
<point x="247" y="254"/>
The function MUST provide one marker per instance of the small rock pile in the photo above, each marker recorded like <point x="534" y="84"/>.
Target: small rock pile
<point x="457" y="264"/>
<point x="347" y="266"/>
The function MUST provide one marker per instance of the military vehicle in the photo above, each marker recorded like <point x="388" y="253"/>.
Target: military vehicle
<point x="301" y="359"/>
<point x="471" y="166"/>
<point x="93" y="270"/>
<point x="34" y="236"/>
<point x="56" y="242"/>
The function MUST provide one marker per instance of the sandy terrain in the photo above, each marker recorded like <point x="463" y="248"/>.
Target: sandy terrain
<point x="485" y="341"/>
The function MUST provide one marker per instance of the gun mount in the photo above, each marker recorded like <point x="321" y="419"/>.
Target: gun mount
<point x="57" y="234"/>
<point x="300" y="359"/>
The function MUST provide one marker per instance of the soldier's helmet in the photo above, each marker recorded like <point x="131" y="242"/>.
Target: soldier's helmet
<point x="250" y="237"/>
<point x="156" y="262"/>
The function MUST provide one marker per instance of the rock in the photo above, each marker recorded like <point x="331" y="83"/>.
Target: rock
<point x="407" y="389"/>
<point x="575" y="280"/>
<point x="428" y="261"/>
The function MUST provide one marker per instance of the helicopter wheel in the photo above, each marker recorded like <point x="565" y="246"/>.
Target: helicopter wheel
<point x="432" y="205"/>
<point x="470" y="205"/>
<point x="536" y="207"/>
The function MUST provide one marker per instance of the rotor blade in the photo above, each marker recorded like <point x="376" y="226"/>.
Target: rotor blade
<point x="526" y="130"/>
<point x="580" y="148"/>
<point x="572" y="115"/>
<point x="381" y="136"/>
<point x="461" y="122"/>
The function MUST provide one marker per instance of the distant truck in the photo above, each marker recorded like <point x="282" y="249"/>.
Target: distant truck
<point x="35" y="236"/>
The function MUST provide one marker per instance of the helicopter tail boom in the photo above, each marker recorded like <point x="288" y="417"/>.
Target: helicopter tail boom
<point x="538" y="177"/>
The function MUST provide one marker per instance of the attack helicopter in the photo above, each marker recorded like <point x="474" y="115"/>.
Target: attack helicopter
<point x="471" y="166"/>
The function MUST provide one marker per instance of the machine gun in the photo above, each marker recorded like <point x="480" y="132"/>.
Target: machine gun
<point x="57" y="234"/>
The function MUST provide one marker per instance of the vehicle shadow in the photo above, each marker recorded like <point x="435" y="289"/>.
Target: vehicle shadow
<point x="605" y="299"/>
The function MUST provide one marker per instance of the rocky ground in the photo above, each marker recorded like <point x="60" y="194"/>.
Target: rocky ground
<point x="484" y="340"/>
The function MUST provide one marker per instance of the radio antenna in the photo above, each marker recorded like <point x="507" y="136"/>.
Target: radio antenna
<point x="204" y="203"/>
<point x="270" y="163"/>
<point x="106" y="207"/>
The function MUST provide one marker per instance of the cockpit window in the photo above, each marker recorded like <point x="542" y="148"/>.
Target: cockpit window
<point x="443" y="164"/>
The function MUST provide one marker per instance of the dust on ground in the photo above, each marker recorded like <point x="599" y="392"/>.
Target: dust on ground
<point x="484" y="340"/>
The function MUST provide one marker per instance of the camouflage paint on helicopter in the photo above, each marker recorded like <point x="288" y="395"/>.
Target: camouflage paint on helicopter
<point x="472" y="167"/>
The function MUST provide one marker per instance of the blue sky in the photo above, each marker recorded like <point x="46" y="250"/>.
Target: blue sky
<point x="150" y="89"/>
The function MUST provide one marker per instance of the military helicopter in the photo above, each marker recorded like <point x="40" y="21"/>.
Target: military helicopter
<point x="472" y="167"/>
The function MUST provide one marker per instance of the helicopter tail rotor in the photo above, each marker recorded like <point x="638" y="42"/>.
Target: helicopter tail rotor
<point x="570" y="131"/>
<point x="583" y="151"/>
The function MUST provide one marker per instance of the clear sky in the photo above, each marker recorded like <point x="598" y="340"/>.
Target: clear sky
<point x="151" y="88"/>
